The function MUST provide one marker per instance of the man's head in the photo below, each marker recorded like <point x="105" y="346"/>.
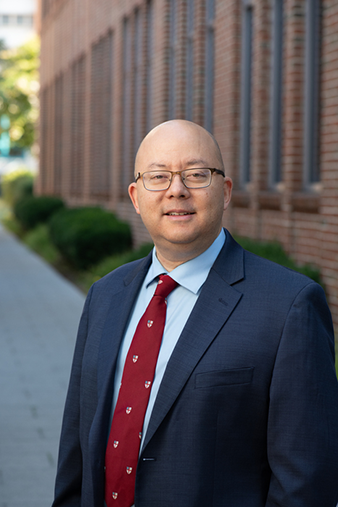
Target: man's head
<point x="183" y="222"/>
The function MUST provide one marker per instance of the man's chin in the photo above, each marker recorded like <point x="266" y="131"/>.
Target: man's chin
<point x="179" y="245"/>
<point x="180" y="239"/>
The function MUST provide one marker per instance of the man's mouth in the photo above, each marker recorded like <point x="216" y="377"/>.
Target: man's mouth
<point x="178" y="214"/>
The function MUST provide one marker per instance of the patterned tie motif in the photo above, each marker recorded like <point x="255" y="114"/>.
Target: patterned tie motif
<point x="139" y="370"/>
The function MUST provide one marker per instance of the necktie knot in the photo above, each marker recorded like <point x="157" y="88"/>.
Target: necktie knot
<point x="165" y="286"/>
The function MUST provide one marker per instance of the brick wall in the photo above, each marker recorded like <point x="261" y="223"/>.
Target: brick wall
<point x="111" y="70"/>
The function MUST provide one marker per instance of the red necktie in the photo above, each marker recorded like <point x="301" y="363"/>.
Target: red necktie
<point x="138" y="374"/>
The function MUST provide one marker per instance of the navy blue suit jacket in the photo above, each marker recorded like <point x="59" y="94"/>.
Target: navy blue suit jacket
<point x="247" y="412"/>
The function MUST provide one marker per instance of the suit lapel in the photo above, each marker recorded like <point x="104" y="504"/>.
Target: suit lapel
<point x="217" y="301"/>
<point x="120" y="307"/>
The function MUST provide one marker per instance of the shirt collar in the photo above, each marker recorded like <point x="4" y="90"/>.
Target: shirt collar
<point x="192" y="274"/>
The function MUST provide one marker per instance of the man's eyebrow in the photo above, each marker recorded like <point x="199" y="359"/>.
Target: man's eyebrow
<point x="157" y="164"/>
<point x="193" y="162"/>
<point x="197" y="162"/>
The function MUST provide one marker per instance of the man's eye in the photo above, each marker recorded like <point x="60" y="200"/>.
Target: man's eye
<point x="158" y="176"/>
<point x="197" y="175"/>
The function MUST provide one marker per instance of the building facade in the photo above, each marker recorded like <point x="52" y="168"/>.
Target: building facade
<point x="261" y="75"/>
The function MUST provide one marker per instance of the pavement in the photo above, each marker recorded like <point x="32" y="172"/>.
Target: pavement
<point x="39" y="315"/>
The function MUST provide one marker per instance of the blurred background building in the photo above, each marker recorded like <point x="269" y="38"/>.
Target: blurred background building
<point x="17" y="21"/>
<point x="261" y="75"/>
<point x="18" y="26"/>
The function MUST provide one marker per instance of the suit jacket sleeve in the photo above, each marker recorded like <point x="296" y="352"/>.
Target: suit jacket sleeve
<point x="303" y="414"/>
<point x="69" y="474"/>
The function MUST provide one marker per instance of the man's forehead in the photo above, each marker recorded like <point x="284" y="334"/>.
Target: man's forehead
<point x="177" y="142"/>
<point x="186" y="147"/>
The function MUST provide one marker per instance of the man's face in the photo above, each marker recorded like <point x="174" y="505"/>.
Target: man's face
<point x="182" y="222"/>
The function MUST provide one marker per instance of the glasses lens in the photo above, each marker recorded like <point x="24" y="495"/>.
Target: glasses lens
<point x="197" y="178"/>
<point x="156" y="180"/>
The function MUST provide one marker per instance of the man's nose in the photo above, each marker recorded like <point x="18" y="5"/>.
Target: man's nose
<point x="177" y="186"/>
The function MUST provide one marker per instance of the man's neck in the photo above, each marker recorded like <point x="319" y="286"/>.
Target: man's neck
<point x="169" y="264"/>
<point x="170" y="258"/>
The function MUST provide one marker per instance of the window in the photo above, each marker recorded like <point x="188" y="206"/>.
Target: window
<point x="45" y="7"/>
<point x="172" y="61"/>
<point x="246" y="84"/>
<point x="276" y="93"/>
<point x="58" y="134"/>
<point x="189" y="101"/>
<point x="77" y="123"/>
<point x="209" y="66"/>
<point x="43" y="132"/>
<point x="149" y="65"/>
<point x="14" y="20"/>
<point x="127" y="98"/>
<point x="138" y="81"/>
<point x="312" y="93"/>
<point x="101" y="116"/>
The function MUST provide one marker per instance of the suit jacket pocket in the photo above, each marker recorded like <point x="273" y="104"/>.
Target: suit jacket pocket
<point x="224" y="377"/>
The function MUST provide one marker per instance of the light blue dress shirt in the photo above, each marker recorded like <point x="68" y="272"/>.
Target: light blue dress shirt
<point x="190" y="276"/>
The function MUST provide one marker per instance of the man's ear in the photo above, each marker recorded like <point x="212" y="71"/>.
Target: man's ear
<point x="227" y="191"/>
<point x="132" y="191"/>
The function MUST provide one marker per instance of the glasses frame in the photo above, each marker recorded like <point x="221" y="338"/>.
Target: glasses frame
<point x="212" y="170"/>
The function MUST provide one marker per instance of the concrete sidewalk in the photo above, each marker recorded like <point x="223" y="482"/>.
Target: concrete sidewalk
<point x="39" y="315"/>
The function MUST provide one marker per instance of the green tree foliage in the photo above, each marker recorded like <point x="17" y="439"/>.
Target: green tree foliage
<point x="19" y="86"/>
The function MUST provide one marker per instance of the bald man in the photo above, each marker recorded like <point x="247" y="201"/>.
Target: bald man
<point x="241" y="409"/>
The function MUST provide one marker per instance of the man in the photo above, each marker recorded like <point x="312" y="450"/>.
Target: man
<point x="243" y="407"/>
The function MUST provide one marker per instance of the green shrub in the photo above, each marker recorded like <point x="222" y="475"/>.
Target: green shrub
<point x="275" y="252"/>
<point x="110" y="263"/>
<point x="16" y="185"/>
<point x="31" y="211"/>
<point x="85" y="236"/>
<point x="5" y="212"/>
<point x="38" y="240"/>
<point x="12" y="225"/>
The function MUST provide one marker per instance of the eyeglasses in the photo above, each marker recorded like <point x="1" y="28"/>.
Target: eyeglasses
<point x="191" y="178"/>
